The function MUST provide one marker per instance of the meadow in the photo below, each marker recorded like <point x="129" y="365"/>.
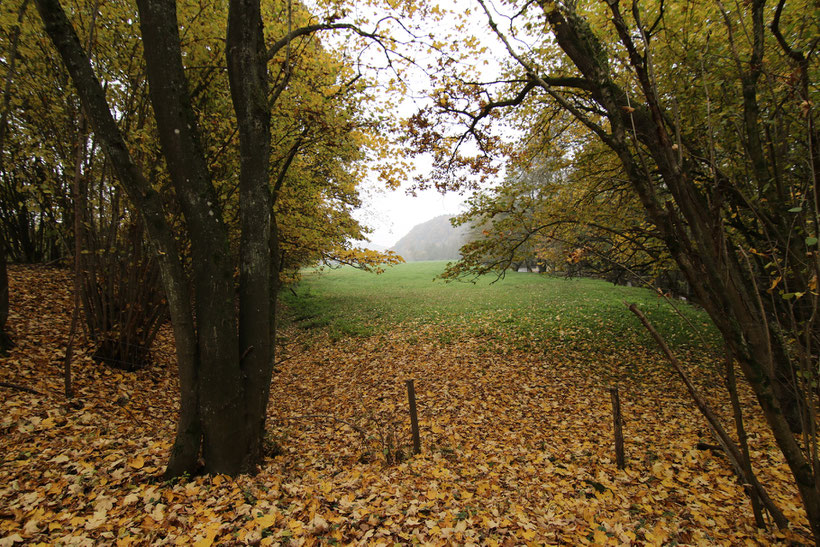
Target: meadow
<point x="526" y="309"/>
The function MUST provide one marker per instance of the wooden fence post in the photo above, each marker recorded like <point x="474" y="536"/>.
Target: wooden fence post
<point x="618" y="423"/>
<point x="414" y="417"/>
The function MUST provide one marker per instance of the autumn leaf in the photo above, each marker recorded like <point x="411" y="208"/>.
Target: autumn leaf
<point x="775" y="283"/>
<point x="266" y="521"/>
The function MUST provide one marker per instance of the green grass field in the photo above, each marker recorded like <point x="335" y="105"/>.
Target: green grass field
<point x="524" y="308"/>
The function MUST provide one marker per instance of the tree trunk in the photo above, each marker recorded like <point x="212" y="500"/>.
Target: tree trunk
<point x="224" y="362"/>
<point x="185" y="452"/>
<point x="247" y="73"/>
<point x="221" y="398"/>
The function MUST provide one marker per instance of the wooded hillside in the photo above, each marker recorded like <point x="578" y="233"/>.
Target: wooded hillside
<point x="436" y="239"/>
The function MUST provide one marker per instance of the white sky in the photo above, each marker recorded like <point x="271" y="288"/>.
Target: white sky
<point x="391" y="214"/>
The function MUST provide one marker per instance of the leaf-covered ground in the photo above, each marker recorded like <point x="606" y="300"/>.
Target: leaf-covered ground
<point x="517" y="446"/>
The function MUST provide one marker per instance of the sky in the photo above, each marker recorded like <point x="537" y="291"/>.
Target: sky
<point x="392" y="213"/>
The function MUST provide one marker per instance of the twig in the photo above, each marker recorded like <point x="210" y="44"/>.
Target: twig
<point x="729" y="447"/>
<point x="288" y="358"/>
<point x="20" y="388"/>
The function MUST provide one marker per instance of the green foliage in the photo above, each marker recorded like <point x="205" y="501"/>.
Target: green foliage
<point x="527" y="310"/>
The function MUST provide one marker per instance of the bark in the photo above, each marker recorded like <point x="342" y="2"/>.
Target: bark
<point x="147" y="201"/>
<point x="247" y="73"/>
<point x="221" y="398"/>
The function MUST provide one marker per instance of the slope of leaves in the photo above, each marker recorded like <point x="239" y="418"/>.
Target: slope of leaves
<point x="516" y="446"/>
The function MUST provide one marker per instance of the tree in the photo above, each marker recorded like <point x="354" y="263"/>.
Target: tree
<point x="224" y="357"/>
<point x="726" y="169"/>
<point x="559" y="214"/>
<point x="224" y="326"/>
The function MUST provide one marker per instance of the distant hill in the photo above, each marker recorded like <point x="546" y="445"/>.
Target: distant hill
<point x="365" y="244"/>
<point x="435" y="239"/>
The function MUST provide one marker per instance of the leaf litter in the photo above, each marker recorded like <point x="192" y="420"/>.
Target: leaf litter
<point x="517" y="446"/>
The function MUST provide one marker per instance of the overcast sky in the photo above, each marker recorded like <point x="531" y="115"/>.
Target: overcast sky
<point x="392" y="214"/>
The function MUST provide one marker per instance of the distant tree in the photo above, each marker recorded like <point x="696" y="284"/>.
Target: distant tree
<point x="561" y="216"/>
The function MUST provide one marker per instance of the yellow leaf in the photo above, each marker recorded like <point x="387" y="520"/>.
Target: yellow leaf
<point x="137" y="463"/>
<point x="529" y="535"/>
<point x="266" y="521"/>
<point x="600" y="537"/>
<point x="297" y="526"/>
<point x="488" y="522"/>
<point x="210" y="535"/>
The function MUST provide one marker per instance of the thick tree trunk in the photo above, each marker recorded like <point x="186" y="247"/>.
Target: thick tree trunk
<point x="221" y="397"/>
<point x="224" y="376"/>
<point x="247" y="73"/>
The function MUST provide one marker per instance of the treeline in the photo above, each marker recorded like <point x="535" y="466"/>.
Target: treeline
<point x="61" y="200"/>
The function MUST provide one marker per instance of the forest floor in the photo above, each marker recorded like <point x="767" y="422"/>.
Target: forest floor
<point x="516" y="446"/>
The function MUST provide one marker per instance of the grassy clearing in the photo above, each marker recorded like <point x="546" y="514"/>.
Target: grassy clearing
<point x="526" y="309"/>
